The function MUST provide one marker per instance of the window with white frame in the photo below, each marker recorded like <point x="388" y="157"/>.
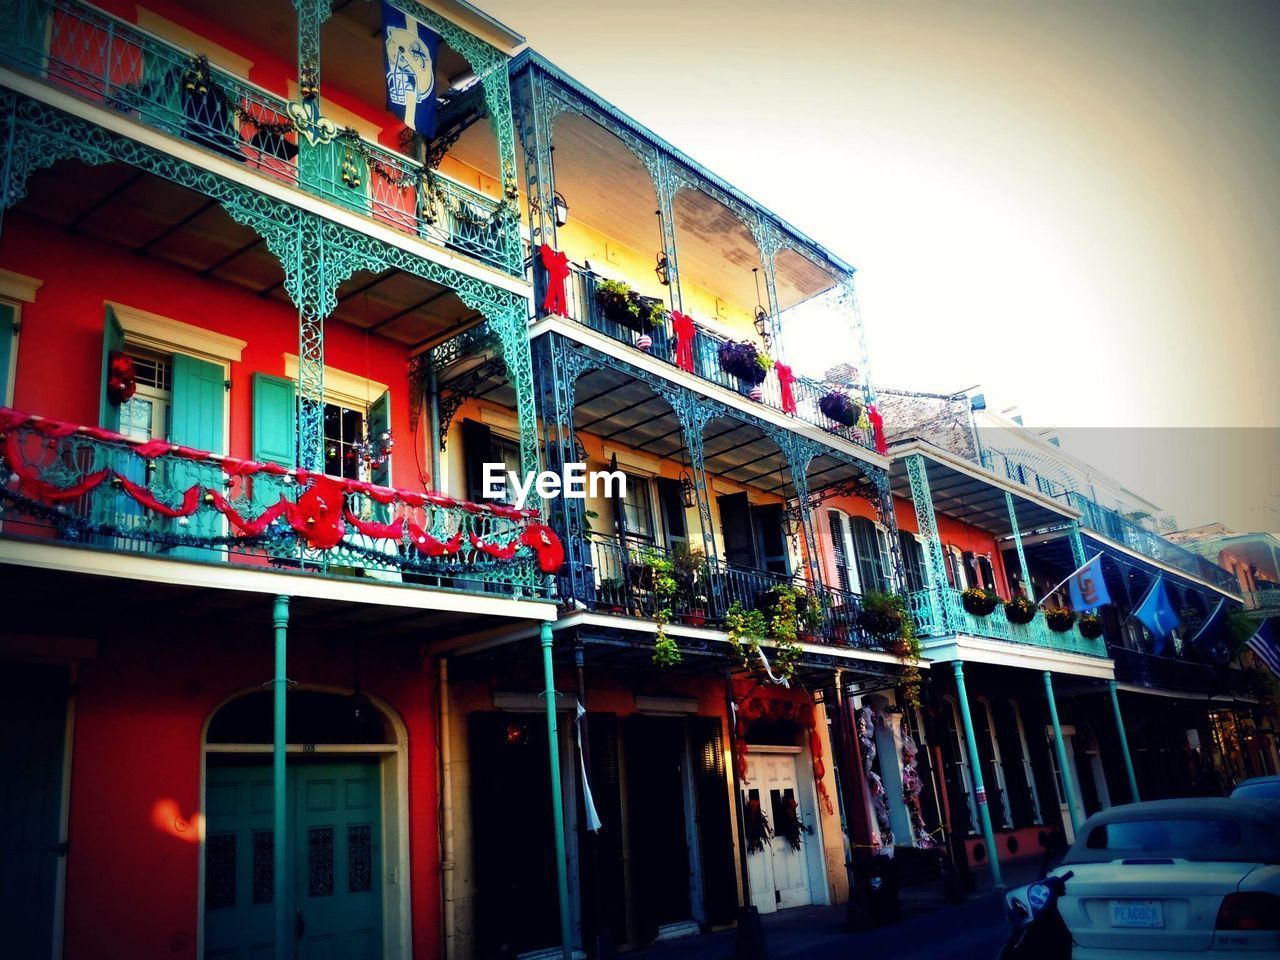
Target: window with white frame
<point x="997" y="765"/>
<point x="861" y="550"/>
<point x="1027" y="772"/>
<point x="145" y="415"/>
<point x="955" y="730"/>
<point x="637" y="509"/>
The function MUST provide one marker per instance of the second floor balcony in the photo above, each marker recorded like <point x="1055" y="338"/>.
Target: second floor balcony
<point x="281" y="134"/>
<point x="996" y="625"/>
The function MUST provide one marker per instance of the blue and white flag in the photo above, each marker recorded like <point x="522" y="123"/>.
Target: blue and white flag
<point x="1208" y="639"/>
<point x="1157" y="615"/>
<point x="409" y="57"/>
<point x="1088" y="589"/>
<point x="1266" y="647"/>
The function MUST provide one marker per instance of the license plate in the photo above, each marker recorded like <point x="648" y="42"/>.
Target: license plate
<point x="1137" y="913"/>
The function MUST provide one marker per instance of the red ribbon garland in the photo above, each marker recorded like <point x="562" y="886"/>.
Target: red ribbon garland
<point x="429" y="546"/>
<point x="504" y="552"/>
<point x="377" y="531"/>
<point x="546" y="545"/>
<point x="251" y="527"/>
<point x="190" y="499"/>
<point x="557" y="267"/>
<point x="877" y="427"/>
<point x="802" y="713"/>
<point x="785" y="379"/>
<point x="684" y="329"/>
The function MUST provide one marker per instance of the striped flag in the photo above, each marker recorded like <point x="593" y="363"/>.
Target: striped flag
<point x="1266" y="647"/>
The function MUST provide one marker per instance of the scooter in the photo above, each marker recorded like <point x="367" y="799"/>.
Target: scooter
<point x="1037" y="930"/>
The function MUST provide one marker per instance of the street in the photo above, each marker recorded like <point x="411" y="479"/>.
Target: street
<point x="974" y="929"/>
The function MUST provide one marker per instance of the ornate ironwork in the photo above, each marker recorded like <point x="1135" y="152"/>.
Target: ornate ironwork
<point x="453" y="393"/>
<point x="1077" y="544"/>
<point x="1017" y="543"/>
<point x="935" y="568"/>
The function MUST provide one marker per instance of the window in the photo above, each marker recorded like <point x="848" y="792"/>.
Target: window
<point x="861" y="551"/>
<point x="343" y="429"/>
<point x="912" y="560"/>
<point x="637" y="509"/>
<point x="955" y="731"/>
<point x="955" y="567"/>
<point x="145" y="415"/>
<point x="1027" y="772"/>
<point x="505" y="451"/>
<point x="998" y="786"/>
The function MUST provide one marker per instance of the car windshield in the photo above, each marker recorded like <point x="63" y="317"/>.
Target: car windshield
<point x="1149" y="836"/>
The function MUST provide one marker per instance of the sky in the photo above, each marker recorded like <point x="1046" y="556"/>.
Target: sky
<point x="1076" y="205"/>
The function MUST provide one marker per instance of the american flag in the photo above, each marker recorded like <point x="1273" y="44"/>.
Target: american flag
<point x="1265" y="647"/>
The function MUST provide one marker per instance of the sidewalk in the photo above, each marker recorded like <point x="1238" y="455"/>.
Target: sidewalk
<point x="929" y="928"/>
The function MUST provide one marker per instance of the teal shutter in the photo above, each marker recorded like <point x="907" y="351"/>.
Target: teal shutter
<point x="8" y="341"/>
<point x="197" y="413"/>
<point x="275" y="418"/>
<point x="379" y="422"/>
<point x="112" y="340"/>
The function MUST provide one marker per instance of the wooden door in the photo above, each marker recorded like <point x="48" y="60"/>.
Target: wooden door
<point x="779" y="873"/>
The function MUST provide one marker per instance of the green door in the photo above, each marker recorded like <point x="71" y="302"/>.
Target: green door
<point x="335" y="890"/>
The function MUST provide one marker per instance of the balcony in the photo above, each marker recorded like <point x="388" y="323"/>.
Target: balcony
<point x="619" y="580"/>
<point x="583" y="307"/>
<point x="1178" y="673"/>
<point x="1266" y="602"/>
<point x="124" y="68"/>
<point x="84" y="486"/>
<point x="949" y="617"/>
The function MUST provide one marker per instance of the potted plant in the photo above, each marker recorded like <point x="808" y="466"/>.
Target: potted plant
<point x="881" y="614"/>
<point x="620" y="304"/>
<point x="1059" y="619"/>
<point x="1019" y="610"/>
<point x="978" y="602"/>
<point x="840" y="407"/>
<point x="1090" y="626"/>
<point x="741" y="359"/>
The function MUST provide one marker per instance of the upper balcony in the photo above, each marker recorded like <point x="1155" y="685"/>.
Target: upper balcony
<point x="653" y="251"/>
<point x="1112" y="524"/>
<point x="223" y="78"/>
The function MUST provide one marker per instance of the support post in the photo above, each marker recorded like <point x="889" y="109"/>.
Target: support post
<point x="601" y="944"/>
<point x="1064" y="769"/>
<point x="666" y="184"/>
<point x="975" y="767"/>
<point x="750" y="943"/>
<point x="935" y="568"/>
<point x="279" y="786"/>
<point x="1077" y="545"/>
<point x="1017" y="542"/>
<point x="1124" y="742"/>
<point x="557" y="803"/>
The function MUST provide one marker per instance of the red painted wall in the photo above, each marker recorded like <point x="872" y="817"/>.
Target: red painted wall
<point x="141" y="706"/>
<point x="59" y="366"/>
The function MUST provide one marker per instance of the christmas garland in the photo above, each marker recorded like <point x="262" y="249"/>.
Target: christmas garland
<point x="911" y="789"/>
<point x="875" y="786"/>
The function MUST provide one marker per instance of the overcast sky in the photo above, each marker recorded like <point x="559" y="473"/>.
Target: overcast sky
<point x="1074" y="204"/>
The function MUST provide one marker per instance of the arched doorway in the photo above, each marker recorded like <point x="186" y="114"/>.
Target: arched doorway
<point x="347" y="886"/>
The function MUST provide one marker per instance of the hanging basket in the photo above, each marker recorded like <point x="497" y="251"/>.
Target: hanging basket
<point x="1019" y="610"/>
<point x="621" y="305"/>
<point x="741" y="359"/>
<point x="840" y="407"/>
<point x="1090" y="626"/>
<point x="1059" y="619"/>
<point x="978" y="602"/>
<point x="880" y="623"/>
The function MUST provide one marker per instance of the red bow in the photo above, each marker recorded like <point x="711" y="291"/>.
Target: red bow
<point x="877" y="428"/>
<point x="557" y="267"/>
<point x="684" y="330"/>
<point x="317" y="516"/>
<point x="546" y="545"/>
<point x="785" y="379"/>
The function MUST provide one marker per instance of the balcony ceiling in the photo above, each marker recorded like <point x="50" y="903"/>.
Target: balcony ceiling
<point x="151" y="216"/>
<point x="609" y="190"/>
<point x="967" y="495"/>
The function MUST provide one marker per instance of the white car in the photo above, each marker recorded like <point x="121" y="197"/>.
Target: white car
<point x="1172" y="877"/>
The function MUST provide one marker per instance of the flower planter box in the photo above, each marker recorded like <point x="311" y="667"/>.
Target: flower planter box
<point x="693" y="619"/>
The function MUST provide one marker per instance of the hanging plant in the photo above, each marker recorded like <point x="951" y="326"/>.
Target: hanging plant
<point x="885" y="616"/>
<point x="741" y="359"/>
<point x="784" y="628"/>
<point x="745" y="630"/>
<point x="789" y="826"/>
<point x="880" y="615"/>
<point x="1059" y="619"/>
<point x="658" y="314"/>
<point x="979" y="602"/>
<point x="661" y="580"/>
<point x="1019" y="610"/>
<point x="1090" y="626"/>
<point x="621" y="305"/>
<point x="840" y="407"/>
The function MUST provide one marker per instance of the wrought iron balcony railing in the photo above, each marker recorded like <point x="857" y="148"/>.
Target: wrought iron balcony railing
<point x="93" y="487"/>
<point x="614" y="579"/>
<point x="1266" y="601"/>
<point x="1178" y="673"/>
<point x="99" y="57"/>
<point x="583" y="307"/>
<point x="944" y="614"/>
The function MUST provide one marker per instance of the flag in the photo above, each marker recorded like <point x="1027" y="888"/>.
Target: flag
<point x="409" y="58"/>
<point x="1208" y="639"/>
<point x="1088" y="589"/>
<point x="588" y="801"/>
<point x="1266" y="647"/>
<point x="1156" y="614"/>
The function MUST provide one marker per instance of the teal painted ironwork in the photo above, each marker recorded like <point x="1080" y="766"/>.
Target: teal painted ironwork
<point x="996" y="626"/>
<point x="975" y="771"/>
<point x="800" y="453"/>
<point x="769" y="243"/>
<point x="667" y="185"/>
<point x="284" y="941"/>
<point x="1124" y="742"/>
<point x="940" y="614"/>
<point x="1077" y="545"/>
<point x="1060" y="746"/>
<point x="694" y="413"/>
<point x="557" y="807"/>
<point x="219" y="516"/>
<point x="1027" y="586"/>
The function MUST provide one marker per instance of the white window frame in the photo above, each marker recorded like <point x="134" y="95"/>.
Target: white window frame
<point x="15" y="290"/>
<point x="997" y="763"/>
<point x="962" y="752"/>
<point x="957" y="564"/>
<point x="851" y="553"/>
<point x="1037" y="813"/>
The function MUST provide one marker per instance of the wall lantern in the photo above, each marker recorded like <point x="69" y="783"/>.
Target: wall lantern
<point x="762" y="315"/>
<point x="686" y="490"/>
<point x="664" y="275"/>
<point x="561" y="207"/>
